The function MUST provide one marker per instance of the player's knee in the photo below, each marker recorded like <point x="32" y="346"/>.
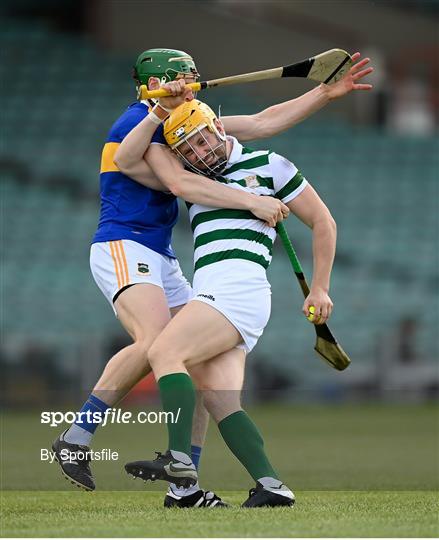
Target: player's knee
<point x="142" y="347"/>
<point x="161" y="354"/>
<point x="154" y="354"/>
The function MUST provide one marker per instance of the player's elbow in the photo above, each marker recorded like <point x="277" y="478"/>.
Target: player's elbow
<point x="168" y="177"/>
<point x="326" y="222"/>
<point x="123" y="167"/>
<point x="268" y="123"/>
<point x="331" y="226"/>
<point x="263" y="124"/>
<point x="175" y="188"/>
<point x="120" y="163"/>
<point x="329" y="223"/>
<point x="179" y="183"/>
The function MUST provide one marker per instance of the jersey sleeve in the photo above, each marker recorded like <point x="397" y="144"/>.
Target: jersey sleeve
<point x="288" y="181"/>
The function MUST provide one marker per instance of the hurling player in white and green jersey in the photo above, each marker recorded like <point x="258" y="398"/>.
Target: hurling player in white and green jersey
<point x="231" y="304"/>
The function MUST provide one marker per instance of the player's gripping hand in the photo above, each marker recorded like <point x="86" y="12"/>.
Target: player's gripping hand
<point x="180" y="93"/>
<point x="269" y="209"/>
<point x="322" y="306"/>
<point x="351" y="80"/>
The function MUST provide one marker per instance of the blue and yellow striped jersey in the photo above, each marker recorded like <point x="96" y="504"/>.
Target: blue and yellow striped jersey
<point x="129" y="210"/>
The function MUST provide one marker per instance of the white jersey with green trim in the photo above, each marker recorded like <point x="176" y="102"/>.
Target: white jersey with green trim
<point x="221" y="234"/>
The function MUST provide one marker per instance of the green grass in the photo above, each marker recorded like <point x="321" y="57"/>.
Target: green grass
<point x="356" y="470"/>
<point x="136" y="514"/>
<point x="314" y="448"/>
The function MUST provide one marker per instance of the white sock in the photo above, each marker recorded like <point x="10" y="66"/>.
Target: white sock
<point x="184" y="492"/>
<point x="78" y="435"/>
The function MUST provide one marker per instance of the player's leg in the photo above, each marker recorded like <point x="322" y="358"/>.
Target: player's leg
<point x="199" y="429"/>
<point x="246" y="303"/>
<point x="220" y="381"/>
<point x="197" y="333"/>
<point x="143" y="312"/>
<point x="178" y="294"/>
<point x="201" y="416"/>
<point x="138" y="298"/>
<point x="192" y="496"/>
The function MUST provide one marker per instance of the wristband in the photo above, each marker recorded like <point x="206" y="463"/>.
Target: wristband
<point x="158" y="104"/>
<point x="159" y="112"/>
<point x="154" y="118"/>
<point x="162" y="112"/>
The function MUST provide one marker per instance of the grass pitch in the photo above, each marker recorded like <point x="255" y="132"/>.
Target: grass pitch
<point x="357" y="471"/>
<point x="140" y="514"/>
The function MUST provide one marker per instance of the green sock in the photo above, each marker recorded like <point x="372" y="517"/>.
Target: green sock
<point x="178" y="396"/>
<point x="244" y="440"/>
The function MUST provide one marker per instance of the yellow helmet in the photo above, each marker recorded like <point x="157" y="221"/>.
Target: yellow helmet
<point x="186" y="121"/>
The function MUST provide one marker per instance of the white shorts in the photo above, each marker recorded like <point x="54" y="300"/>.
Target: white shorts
<point x="241" y="292"/>
<point x="120" y="263"/>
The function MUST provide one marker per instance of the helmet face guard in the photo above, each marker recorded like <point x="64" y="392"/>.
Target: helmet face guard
<point x="163" y="64"/>
<point x="213" y="162"/>
<point x="187" y="127"/>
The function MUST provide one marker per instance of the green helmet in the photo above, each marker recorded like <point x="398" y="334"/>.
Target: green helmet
<point x="165" y="64"/>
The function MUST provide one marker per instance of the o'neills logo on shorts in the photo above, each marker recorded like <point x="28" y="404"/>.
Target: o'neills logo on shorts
<point x="143" y="269"/>
<point x="208" y="296"/>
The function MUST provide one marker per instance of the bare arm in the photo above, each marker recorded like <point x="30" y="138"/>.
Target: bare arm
<point x="283" y="116"/>
<point x="312" y="211"/>
<point x="198" y="189"/>
<point x="129" y="156"/>
<point x="142" y="173"/>
<point x="156" y="167"/>
<point x="136" y="148"/>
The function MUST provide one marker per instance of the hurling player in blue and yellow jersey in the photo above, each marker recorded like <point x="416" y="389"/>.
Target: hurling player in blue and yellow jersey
<point x="129" y="210"/>
<point x="131" y="255"/>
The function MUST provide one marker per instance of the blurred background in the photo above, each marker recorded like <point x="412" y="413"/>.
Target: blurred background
<point x="66" y="77"/>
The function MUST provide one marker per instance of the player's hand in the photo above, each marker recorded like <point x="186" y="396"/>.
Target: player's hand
<point x="351" y="80"/>
<point x="180" y="93"/>
<point x="322" y="305"/>
<point x="269" y="209"/>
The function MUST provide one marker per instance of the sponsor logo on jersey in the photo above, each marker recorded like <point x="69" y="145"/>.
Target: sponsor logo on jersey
<point x="252" y="181"/>
<point x="208" y="296"/>
<point x="143" y="269"/>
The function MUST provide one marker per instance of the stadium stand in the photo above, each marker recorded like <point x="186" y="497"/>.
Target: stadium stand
<point x="60" y="95"/>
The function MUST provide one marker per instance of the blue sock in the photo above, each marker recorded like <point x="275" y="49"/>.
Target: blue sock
<point x="94" y="405"/>
<point x="82" y="430"/>
<point x="196" y="454"/>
